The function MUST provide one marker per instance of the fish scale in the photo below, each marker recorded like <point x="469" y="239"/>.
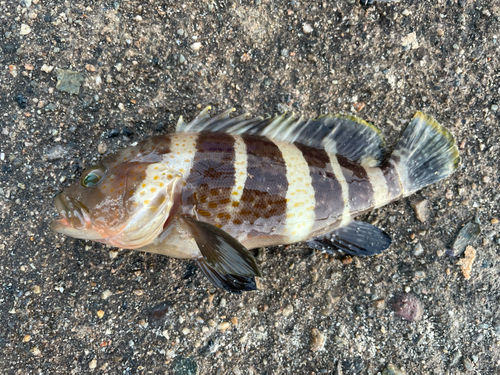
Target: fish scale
<point x="223" y="185"/>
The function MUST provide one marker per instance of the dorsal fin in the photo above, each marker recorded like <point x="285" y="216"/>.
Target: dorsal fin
<point x="348" y="136"/>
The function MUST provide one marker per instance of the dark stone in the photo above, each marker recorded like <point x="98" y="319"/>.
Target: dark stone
<point x="184" y="366"/>
<point x="10" y="48"/>
<point x="158" y="315"/>
<point x="21" y="101"/>
<point x="47" y="18"/>
<point x="127" y="132"/>
<point x="354" y="366"/>
<point x="114" y="133"/>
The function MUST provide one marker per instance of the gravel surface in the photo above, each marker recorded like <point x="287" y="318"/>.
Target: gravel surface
<point x="83" y="78"/>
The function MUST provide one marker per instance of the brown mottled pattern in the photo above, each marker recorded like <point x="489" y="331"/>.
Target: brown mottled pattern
<point x="392" y="180"/>
<point x="360" y="188"/>
<point x="327" y="189"/>
<point x="211" y="179"/>
<point x="264" y="194"/>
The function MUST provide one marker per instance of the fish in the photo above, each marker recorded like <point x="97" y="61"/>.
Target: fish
<point x="225" y="184"/>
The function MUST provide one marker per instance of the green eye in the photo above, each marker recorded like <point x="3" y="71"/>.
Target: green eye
<point x="92" y="175"/>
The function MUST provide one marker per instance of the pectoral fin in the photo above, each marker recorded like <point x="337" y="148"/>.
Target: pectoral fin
<point x="225" y="261"/>
<point x="356" y="238"/>
<point x="231" y="283"/>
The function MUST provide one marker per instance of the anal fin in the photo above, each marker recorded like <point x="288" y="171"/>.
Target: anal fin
<point x="356" y="238"/>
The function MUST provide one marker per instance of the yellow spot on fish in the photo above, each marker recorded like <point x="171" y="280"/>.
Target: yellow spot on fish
<point x="298" y="204"/>
<point x="104" y="187"/>
<point x="234" y="193"/>
<point x="121" y="183"/>
<point x="181" y="170"/>
<point x="169" y="176"/>
<point x="212" y="205"/>
<point x="236" y="204"/>
<point x="143" y="185"/>
<point x="135" y="204"/>
<point x="156" y="167"/>
<point x="153" y="190"/>
<point x="290" y="215"/>
<point x="131" y="192"/>
<point x="156" y="177"/>
<point x="146" y="202"/>
<point x="142" y="192"/>
<point x="111" y="190"/>
<point x="161" y="184"/>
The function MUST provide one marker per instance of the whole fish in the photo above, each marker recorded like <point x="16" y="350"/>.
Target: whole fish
<point x="221" y="185"/>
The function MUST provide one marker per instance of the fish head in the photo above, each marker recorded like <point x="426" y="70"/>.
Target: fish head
<point x="121" y="201"/>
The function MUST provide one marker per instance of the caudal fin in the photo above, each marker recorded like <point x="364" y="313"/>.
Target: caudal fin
<point x="425" y="154"/>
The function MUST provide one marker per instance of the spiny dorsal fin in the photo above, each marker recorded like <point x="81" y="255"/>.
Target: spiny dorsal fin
<point x="348" y="136"/>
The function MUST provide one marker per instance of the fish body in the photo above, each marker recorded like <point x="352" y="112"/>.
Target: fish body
<point x="222" y="185"/>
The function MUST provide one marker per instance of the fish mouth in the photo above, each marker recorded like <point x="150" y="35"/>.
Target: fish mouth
<point x="75" y="218"/>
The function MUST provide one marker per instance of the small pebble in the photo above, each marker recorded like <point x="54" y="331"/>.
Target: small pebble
<point x="307" y="28"/>
<point x="102" y="148"/>
<point x="466" y="262"/>
<point x="113" y="254"/>
<point x="90" y="68"/>
<point x="26" y="338"/>
<point x="138" y="292"/>
<point x="211" y="323"/>
<point x="234" y="320"/>
<point x="25" y="29"/>
<point x="287" y="311"/>
<point x="318" y="340"/>
<point x="185" y="331"/>
<point x="36" y="352"/>
<point x="422" y="210"/>
<point x="36" y="289"/>
<point x="419" y="250"/>
<point x="358" y="106"/>
<point x="408" y="307"/>
<point x="222" y="326"/>
<point x="100" y="314"/>
<point x="392" y="370"/>
<point x="180" y="32"/>
<point x="379" y="304"/>
<point x="347" y="260"/>
<point x="494" y="221"/>
<point x="196" y="46"/>
<point x="93" y="364"/>
<point x="449" y="194"/>
<point x="106" y="294"/>
<point x="46" y="68"/>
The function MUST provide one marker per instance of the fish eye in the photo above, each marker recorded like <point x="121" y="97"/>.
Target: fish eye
<point x="92" y="175"/>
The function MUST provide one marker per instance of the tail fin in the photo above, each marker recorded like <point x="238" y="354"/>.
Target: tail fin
<point x="425" y="154"/>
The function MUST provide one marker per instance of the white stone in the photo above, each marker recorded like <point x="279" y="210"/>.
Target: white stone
<point x="307" y="28"/>
<point x="46" y="68"/>
<point x="196" y="46"/>
<point x="25" y="29"/>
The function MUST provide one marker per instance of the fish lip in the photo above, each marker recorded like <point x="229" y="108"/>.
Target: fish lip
<point x="72" y="212"/>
